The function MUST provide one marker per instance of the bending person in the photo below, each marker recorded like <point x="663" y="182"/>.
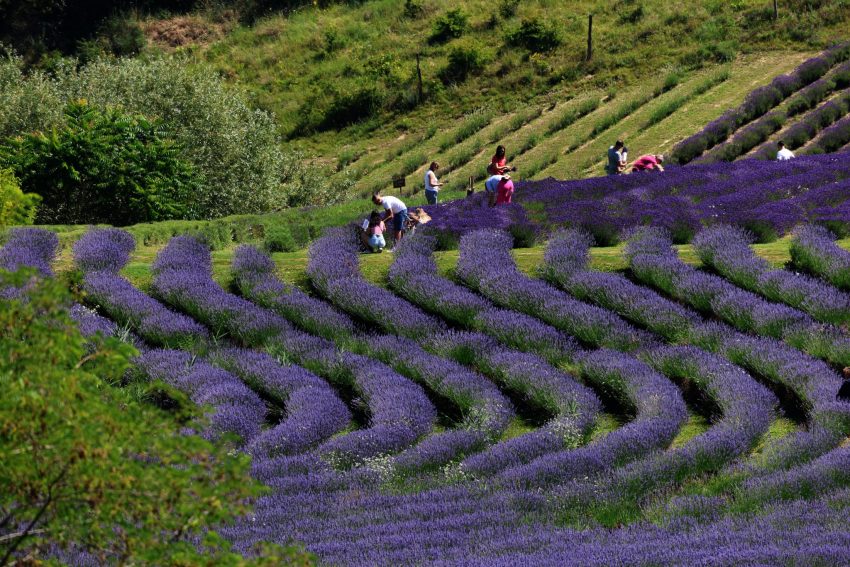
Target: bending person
<point x="649" y="162"/>
<point x="396" y="211"/>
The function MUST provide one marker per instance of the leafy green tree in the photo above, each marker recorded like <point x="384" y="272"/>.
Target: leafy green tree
<point x="85" y="464"/>
<point x="16" y="207"/>
<point x="104" y="166"/>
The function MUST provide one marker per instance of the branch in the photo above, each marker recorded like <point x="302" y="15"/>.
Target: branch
<point x="22" y="535"/>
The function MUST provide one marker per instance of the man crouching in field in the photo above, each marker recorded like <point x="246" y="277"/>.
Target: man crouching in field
<point x="396" y="211"/>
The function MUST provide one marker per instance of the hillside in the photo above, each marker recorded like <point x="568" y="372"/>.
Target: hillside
<point x="342" y="79"/>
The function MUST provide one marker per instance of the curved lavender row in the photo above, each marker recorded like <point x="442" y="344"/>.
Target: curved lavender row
<point x="313" y="410"/>
<point x="27" y="248"/>
<point x="814" y="249"/>
<point x="746" y="407"/>
<point x="127" y="305"/>
<point x="811" y="479"/>
<point x="573" y="406"/>
<point x="657" y="406"/>
<point x="566" y="259"/>
<point x="413" y="275"/>
<point x="334" y="270"/>
<point x="654" y="262"/>
<point x="726" y="250"/>
<point x="237" y="410"/>
<point x="486" y="412"/>
<point x="566" y="262"/>
<point x="400" y="411"/>
<point x="254" y="276"/>
<point x="100" y="254"/>
<point x="103" y="250"/>
<point x="742" y="309"/>
<point x="485" y="264"/>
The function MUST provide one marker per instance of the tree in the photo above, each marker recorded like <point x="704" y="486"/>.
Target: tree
<point x="87" y="467"/>
<point x="104" y="166"/>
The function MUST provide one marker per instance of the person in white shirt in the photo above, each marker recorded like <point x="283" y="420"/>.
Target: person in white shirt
<point x="491" y="187"/>
<point x="396" y="211"/>
<point x="432" y="184"/>
<point x="784" y="154"/>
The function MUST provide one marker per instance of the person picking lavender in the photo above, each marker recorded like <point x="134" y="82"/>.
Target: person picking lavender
<point x="396" y="211"/>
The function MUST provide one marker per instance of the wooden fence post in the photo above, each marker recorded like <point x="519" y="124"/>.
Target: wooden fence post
<point x="589" y="37"/>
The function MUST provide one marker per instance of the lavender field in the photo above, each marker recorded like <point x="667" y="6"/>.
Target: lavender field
<point x="668" y="414"/>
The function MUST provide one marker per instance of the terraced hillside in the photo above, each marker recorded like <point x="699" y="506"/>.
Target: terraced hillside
<point x="343" y="80"/>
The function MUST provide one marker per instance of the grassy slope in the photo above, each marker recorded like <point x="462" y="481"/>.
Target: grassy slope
<point x="296" y="63"/>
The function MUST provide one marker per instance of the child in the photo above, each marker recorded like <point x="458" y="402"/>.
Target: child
<point x="505" y="190"/>
<point x="375" y="232"/>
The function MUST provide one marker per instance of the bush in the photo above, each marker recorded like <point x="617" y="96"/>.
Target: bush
<point x="16" y="207"/>
<point x="465" y="59"/>
<point x="351" y="107"/>
<point x="279" y="239"/>
<point x="535" y="36"/>
<point x="92" y="469"/>
<point x="104" y="166"/>
<point x="450" y="25"/>
<point x="234" y="147"/>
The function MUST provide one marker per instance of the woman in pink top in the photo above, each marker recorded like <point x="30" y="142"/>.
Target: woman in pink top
<point x="648" y="162"/>
<point x="504" y="190"/>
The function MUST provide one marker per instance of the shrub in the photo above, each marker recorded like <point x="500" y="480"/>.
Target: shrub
<point x="279" y="239"/>
<point x="465" y="59"/>
<point x="31" y="102"/>
<point x="535" y="36"/>
<point x="350" y="107"/>
<point x="234" y="147"/>
<point x="97" y="483"/>
<point x="450" y="25"/>
<point x="413" y="9"/>
<point x="16" y="207"/>
<point x="104" y="166"/>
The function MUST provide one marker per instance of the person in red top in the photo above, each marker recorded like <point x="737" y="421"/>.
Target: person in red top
<point x="504" y="190"/>
<point x="649" y="162"/>
<point x="498" y="163"/>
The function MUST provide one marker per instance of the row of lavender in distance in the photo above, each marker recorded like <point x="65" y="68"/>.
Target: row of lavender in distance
<point x="809" y="125"/>
<point x="758" y="102"/>
<point x="768" y="198"/>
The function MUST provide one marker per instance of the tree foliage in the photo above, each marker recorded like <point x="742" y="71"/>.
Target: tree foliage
<point x="16" y="207"/>
<point x="104" y="166"/>
<point x="234" y="148"/>
<point x="88" y="469"/>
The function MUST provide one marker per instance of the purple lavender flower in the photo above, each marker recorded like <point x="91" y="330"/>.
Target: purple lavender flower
<point x="103" y="249"/>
